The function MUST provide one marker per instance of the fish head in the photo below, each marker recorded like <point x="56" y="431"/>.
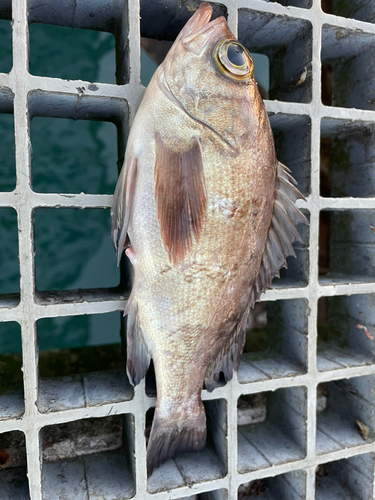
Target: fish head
<point x="210" y="75"/>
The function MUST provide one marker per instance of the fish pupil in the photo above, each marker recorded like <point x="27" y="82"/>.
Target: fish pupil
<point x="235" y="54"/>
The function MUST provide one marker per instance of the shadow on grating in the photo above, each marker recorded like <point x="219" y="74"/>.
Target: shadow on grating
<point x="9" y="262"/>
<point x="350" y="478"/>
<point x="289" y="486"/>
<point x="76" y="370"/>
<point x="73" y="249"/>
<point x="276" y="341"/>
<point x="347" y="52"/>
<point x="347" y="246"/>
<point x="8" y="153"/>
<point x="287" y="42"/>
<point x="355" y="9"/>
<point x="271" y="428"/>
<point x="292" y="134"/>
<point x="348" y="416"/>
<point x="13" y="478"/>
<point x="194" y="468"/>
<point x="175" y="15"/>
<point x="209" y="495"/>
<point x="297" y="272"/>
<point x="346" y="331"/>
<point x="305" y="4"/>
<point x="11" y="382"/>
<point x="86" y="458"/>
<point x="6" y="60"/>
<point x="347" y="159"/>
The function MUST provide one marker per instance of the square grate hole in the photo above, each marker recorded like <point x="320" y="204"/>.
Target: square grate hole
<point x="9" y="263"/>
<point x="347" y="158"/>
<point x="13" y="474"/>
<point x="289" y="486"/>
<point x="153" y="53"/>
<point x="193" y="468"/>
<point x="347" y="418"/>
<point x="11" y="383"/>
<point x="275" y="432"/>
<point x="350" y="478"/>
<point x="287" y="43"/>
<point x="50" y="53"/>
<point x="76" y="370"/>
<point x="355" y="9"/>
<point x="292" y="134"/>
<point x="305" y="4"/>
<point x="276" y="341"/>
<point x="72" y="156"/>
<point x="174" y="17"/>
<point x="83" y="457"/>
<point x="347" y="246"/>
<point x="208" y="495"/>
<point x="346" y="331"/>
<point x="297" y="272"/>
<point x="347" y="51"/>
<point x="73" y="249"/>
<point x="6" y="60"/>
<point x="8" y="156"/>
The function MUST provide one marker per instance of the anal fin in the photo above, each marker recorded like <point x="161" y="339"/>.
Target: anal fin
<point x="228" y="358"/>
<point x="138" y="358"/>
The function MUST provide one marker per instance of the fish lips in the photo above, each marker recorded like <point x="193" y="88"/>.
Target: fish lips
<point x="199" y="23"/>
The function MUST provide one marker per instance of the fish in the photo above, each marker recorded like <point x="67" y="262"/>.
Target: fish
<point x="207" y="216"/>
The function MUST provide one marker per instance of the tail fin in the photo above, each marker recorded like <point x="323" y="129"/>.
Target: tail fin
<point x="170" y="437"/>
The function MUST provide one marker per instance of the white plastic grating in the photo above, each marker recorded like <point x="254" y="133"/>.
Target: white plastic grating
<point x="294" y="436"/>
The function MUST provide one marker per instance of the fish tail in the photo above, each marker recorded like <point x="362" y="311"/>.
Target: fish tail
<point x="172" y="436"/>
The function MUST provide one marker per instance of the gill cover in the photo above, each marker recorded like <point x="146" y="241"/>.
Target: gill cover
<point x="233" y="60"/>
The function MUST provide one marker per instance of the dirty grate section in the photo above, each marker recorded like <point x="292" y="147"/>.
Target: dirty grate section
<point x="298" y="422"/>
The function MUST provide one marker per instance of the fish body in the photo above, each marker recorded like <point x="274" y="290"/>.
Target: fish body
<point x="207" y="216"/>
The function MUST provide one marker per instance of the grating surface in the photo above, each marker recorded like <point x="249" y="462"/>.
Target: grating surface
<point x="315" y="439"/>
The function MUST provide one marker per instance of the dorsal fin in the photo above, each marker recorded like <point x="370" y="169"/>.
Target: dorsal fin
<point x="180" y="195"/>
<point x="281" y="233"/>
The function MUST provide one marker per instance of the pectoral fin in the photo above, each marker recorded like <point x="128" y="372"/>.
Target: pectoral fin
<point x="180" y="195"/>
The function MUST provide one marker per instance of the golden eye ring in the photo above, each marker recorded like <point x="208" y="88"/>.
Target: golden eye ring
<point x="233" y="60"/>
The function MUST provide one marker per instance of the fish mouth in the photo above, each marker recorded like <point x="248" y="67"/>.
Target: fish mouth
<point x="200" y="22"/>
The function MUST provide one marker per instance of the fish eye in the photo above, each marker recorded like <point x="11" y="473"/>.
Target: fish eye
<point x="233" y="60"/>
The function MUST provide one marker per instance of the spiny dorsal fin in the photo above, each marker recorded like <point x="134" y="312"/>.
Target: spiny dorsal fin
<point x="282" y="232"/>
<point x="122" y="205"/>
<point x="180" y="195"/>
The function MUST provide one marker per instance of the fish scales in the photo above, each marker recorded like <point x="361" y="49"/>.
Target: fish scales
<point x="207" y="217"/>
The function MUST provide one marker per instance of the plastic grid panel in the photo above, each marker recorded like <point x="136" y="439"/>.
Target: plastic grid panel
<point x="298" y="472"/>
